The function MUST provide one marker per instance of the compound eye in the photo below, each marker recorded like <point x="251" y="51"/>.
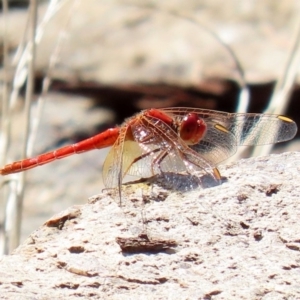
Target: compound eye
<point x="192" y="129"/>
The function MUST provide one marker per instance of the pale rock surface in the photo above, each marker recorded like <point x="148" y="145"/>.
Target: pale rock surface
<point x="238" y="240"/>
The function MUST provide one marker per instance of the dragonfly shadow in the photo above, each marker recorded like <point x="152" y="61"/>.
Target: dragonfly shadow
<point x="185" y="182"/>
<point x="180" y="182"/>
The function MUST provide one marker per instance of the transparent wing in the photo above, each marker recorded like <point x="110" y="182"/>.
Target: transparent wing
<point x="142" y="157"/>
<point x="217" y="145"/>
<point x="225" y="131"/>
<point x="248" y="128"/>
<point x="135" y="162"/>
<point x="261" y="129"/>
<point x="163" y="150"/>
<point x="118" y="159"/>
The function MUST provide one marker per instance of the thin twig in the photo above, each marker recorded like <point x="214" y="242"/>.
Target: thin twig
<point x="5" y="114"/>
<point x="15" y="206"/>
<point x="54" y="59"/>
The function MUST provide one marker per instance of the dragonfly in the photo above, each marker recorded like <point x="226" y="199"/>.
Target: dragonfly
<point x="175" y="139"/>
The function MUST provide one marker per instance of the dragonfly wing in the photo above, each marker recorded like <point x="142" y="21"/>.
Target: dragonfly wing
<point x="227" y="131"/>
<point x="118" y="160"/>
<point x="225" y="134"/>
<point x="248" y="128"/>
<point x="217" y="145"/>
<point x="111" y="166"/>
<point x="125" y="158"/>
<point x="261" y="129"/>
<point x="134" y="162"/>
<point x="163" y="150"/>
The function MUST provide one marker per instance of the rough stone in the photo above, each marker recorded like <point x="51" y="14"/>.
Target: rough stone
<point x="238" y="240"/>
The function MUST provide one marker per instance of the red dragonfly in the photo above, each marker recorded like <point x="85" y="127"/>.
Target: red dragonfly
<point x="156" y="141"/>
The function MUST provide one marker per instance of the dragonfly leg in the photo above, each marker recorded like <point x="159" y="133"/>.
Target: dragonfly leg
<point x="141" y="157"/>
<point x="158" y="160"/>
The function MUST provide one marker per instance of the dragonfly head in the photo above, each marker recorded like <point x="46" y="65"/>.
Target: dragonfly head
<point x="192" y="129"/>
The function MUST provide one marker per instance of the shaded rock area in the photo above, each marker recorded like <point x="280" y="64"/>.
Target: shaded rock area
<point x="238" y="240"/>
